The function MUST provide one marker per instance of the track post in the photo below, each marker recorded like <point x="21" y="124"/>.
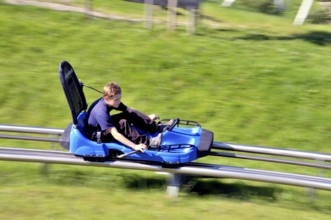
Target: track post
<point x="174" y="183"/>
<point x="44" y="169"/>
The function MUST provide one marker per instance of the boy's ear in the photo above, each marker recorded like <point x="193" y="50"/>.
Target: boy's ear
<point x="108" y="97"/>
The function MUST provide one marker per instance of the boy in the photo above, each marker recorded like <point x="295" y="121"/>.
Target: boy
<point x="101" y="126"/>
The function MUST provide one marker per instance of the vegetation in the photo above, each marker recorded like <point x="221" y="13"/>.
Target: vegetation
<point x="251" y="78"/>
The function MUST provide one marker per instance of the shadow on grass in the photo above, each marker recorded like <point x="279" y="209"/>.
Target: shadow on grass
<point x="190" y="186"/>
<point x="234" y="190"/>
<point x="138" y="182"/>
<point x="197" y="187"/>
<point x="321" y="38"/>
<point x="203" y="187"/>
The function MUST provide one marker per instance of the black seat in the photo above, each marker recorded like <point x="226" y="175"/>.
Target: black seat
<point x="73" y="90"/>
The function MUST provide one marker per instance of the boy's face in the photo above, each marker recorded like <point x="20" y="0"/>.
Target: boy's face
<point x="115" y="100"/>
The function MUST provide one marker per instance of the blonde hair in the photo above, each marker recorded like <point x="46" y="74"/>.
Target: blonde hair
<point x="111" y="89"/>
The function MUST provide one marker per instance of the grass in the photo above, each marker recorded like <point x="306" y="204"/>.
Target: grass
<point x="90" y="193"/>
<point x="76" y="193"/>
<point x="253" y="79"/>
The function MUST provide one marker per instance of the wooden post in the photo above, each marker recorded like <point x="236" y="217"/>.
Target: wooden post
<point x="280" y="5"/>
<point x="228" y="3"/>
<point x="88" y="7"/>
<point x="149" y="5"/>
<point x="192" y="20"/>
<point x="172" y="13"/>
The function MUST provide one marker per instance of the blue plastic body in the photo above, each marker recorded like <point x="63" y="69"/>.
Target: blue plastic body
<point x="178" y="145"/>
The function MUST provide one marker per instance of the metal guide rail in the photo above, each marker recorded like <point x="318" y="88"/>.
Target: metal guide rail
<point x="190" y="169"/>
<point x="44" y="132"/>
<point x="318" y="164"/>
<point x="320" y="159"/>
<point x="273" y="151"/>
<point x="194" y="169"/>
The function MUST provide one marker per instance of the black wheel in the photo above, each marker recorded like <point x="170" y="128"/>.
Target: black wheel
<point x="171" y="165"/>
<point x="95" y="159"/>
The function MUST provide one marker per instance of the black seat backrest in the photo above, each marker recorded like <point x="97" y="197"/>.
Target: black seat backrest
<point x="73" y="90"/>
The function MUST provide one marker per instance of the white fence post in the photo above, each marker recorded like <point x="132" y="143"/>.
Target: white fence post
<point x="303" y="12"/>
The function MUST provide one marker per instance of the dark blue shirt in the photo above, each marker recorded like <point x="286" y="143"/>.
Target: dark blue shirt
<point x="98" y="116"/>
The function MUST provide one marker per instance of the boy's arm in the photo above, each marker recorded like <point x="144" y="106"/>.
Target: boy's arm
<point x="120" y="138"/>
<point x="153" y="117"/>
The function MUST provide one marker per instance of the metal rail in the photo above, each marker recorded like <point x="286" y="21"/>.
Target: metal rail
<point x="216" y="146"/>
<point x="272" y="151"/>
<point x="26" y="129"/>
<point x="268" y="159"/>
<point x="29" y="138"/>
<point x="30" y="130"/>
<point x="191" y="169"/>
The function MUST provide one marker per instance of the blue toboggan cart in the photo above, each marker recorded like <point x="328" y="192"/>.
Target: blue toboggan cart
<point x="183" y="142"/>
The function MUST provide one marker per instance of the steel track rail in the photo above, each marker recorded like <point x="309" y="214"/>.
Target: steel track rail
<point x="272" y="151"/>
<point x="29" y="138"/>
<point x="216" y="146"/>
<point x="192" y="169"/>
<point x="268" y="159"/>
<point x="27" y="129"/>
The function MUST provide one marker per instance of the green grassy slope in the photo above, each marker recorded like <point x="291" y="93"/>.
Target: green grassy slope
<point x="263" y="85"/>
<point x="252" y="81"/>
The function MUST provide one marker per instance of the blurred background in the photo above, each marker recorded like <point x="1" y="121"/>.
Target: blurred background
<point x="243" y="71"/>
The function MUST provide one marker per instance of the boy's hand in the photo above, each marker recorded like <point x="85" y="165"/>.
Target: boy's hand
<point x="141" y="147"/>
<point x="154" y="117"/>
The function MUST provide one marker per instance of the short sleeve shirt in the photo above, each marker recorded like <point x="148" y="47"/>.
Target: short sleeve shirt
<point x="98" y="116"/>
